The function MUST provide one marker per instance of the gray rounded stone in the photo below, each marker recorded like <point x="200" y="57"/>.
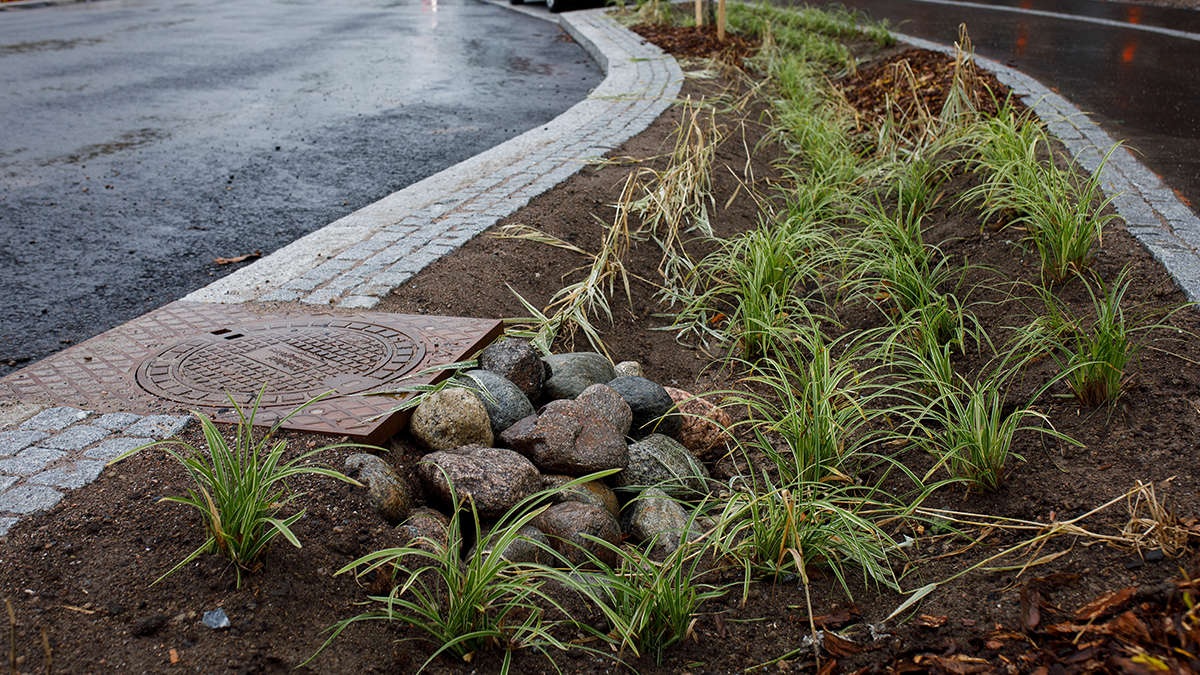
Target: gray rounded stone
<point x="426" y="529"/>
<point x="518" y="362"/>
<point x="525" y="548"/>
<point x="571" y="373"/>
<point x="653" y="410"/>
<point x="655" y="517"/>
<point x="592" y="492"/>
<point x="495" y="479"/>
<point x="386" y="491"/>
<point x="626" y="368"/>
<point x="566" y="524"/>
<point x="660" y="461"/>
<point x="451" y="418"/>
<point x="505" y="403"/>
<point x="611" y="406"/>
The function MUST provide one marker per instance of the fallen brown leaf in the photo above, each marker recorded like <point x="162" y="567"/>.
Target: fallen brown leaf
<point x="249" y="256"/>
<point x="840" y="646"/>
<point x="931" y="621"/>
<point x="1109" y="604"/>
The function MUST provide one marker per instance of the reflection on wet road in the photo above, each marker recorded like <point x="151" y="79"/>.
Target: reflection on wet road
<point x="1112" y="61"/>
<point x="144" y="138"/>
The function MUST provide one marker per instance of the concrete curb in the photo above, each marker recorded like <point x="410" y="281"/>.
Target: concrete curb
<point x="1151" y="210"/>
<point x="354" y="261"/>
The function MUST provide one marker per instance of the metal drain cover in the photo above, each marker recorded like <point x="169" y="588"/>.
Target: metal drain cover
<point x="291" y="362"/>
<point x="190" y="354"/>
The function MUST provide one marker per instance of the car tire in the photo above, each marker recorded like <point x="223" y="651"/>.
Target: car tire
<point x="556" y="6"/>
<point x="516" y="2"/>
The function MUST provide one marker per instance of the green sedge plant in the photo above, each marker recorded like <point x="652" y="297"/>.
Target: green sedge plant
<point x="1096" y="349"/>
<point x="649" y="605"/>
<point x="482" y="602"/>
<point x="241" y="487"/>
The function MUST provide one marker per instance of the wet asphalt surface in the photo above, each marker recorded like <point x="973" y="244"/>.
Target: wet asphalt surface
<point x="144" y="138"/>
<point x="1140" y="86"/>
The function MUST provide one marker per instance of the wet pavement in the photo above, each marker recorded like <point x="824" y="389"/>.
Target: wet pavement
<point x="145" y="138"/>
<point x="1131" y="67"/>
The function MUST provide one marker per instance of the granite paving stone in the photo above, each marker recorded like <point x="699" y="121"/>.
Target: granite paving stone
<point x="12" y="442"/>
<point x="75" y="438"/>
<point x="6" y="524"/>
<point x="117" y="421"/>
<point x="30" y="461"/>
<point x="29" y="498"/>
<point x="69" y="476"/>
<point x="7" y="482"/>
<point x="56" y="419"/>
<point x="114" y="447"/>
<point x="159" y="426"/>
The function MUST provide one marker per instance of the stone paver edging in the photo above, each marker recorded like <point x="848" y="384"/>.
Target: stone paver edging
<point x="65" y="448"/>
<point x="354" y="261"/>
<point x="1151" y="210"/>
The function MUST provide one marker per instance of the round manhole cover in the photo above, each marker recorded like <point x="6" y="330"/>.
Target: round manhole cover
<point x="296" y="360"/>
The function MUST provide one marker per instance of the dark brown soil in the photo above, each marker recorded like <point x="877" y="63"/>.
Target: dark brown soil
<point x="81" y="574"/>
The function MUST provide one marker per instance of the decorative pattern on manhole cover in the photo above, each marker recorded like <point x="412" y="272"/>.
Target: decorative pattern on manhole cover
<point x="291" y="362"/>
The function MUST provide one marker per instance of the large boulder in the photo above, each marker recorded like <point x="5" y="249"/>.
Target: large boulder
<point x="518" y="362"/>
<point x="571" y="373"/>
<point x="611" y="406"/>
<point x="450" y="418"/>
<point x="660" y="461"/>
<point x="704" y="425"/>
<point x="592" y="492"/>
<point x="505" y="403"/>
<point x="386" y="491"/>
<point x="495" y="479"/>
<point x="568" y="437"/>
<point x="566" y="525"/>
<point x="653" y="410"/>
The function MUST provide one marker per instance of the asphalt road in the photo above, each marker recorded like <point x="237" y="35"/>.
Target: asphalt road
<point x="1132" y="68"/>
<point x="144" y="138"/>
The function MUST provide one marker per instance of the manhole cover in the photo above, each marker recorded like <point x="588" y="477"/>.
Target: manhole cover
<point x="189" y="354"/>
<point x="291" y="362"/>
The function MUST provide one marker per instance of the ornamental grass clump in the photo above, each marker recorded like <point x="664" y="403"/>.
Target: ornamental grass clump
<point x="1095" y="350"/>
<point x="649" y="605"/>
<point x="241" y="487"/>
<point x="482" y="601"/>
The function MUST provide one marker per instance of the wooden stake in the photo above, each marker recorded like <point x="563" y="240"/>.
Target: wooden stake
<point x="699" y="12"/>
<point x="721" y="21"/>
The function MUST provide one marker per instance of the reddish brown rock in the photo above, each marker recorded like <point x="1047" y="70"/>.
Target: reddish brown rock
<point x="568" y="437"/>
<point x="704" y="425"/>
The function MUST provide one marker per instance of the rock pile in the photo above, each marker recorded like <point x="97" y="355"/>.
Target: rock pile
<point x="556" y="419"/>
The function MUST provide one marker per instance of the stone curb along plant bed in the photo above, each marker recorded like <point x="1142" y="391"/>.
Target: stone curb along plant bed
<point x="810" y="267"/>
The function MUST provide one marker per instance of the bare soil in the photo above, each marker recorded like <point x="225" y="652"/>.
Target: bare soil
<point x="82" y="574"/>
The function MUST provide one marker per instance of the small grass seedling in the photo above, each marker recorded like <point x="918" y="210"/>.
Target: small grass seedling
<point x="241" y="486"/>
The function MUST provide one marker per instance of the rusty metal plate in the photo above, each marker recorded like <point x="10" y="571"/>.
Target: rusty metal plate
<point x="191" y="355"/>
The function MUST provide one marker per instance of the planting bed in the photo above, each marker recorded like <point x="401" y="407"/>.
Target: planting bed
<point x="82" y="573"/>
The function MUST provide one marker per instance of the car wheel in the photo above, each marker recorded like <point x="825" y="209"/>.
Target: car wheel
<point x="556" y="6"/>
